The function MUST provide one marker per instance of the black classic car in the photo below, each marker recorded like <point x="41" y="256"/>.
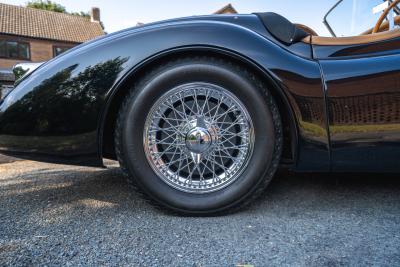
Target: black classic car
<point x="201" y="111"/>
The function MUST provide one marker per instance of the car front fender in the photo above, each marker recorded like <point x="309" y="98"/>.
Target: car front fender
<point x="55" y="114"/>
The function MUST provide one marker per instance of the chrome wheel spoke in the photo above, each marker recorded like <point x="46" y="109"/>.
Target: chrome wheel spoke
<point x="198" y="138"/>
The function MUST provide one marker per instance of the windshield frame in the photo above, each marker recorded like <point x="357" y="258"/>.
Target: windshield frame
<point x="325" y="21"/>
<point x="396" y="10"/>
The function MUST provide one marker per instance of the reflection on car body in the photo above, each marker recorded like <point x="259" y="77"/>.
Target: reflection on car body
<point x="201" y="111"/>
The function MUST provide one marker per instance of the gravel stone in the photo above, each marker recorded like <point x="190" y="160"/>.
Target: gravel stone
<point x="76" y="216"/>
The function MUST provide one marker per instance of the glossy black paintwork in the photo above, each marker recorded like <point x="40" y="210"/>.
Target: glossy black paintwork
<point x="364" y="113"/>
<point x="57" y="113"/>
<point x="363" y="101"/>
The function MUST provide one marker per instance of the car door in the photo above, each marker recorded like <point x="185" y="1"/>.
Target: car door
<point x="362" y="87"/>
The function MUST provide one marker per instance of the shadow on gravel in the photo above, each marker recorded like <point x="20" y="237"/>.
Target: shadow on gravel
<point x="89" y="216"/>
<point x="63" y="187"/>
<point x="320" y="191"/>
<point x="47" y="187"/>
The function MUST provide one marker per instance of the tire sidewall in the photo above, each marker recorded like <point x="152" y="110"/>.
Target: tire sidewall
<point x="158" y="84"/>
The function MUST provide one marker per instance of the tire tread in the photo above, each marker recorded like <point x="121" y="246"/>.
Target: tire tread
<point x="269" y="173"/>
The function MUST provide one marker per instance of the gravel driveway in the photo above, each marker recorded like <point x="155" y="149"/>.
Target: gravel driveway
<point x="54" y="214"/>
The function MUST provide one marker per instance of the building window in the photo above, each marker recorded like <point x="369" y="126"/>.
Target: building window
<point x="4" y="90"/>
<point x="14" y="50"/>
<point x="57" y="50"/>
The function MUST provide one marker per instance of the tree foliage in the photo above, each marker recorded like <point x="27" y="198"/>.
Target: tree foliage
<point x="53" y="6"/>
<point x="46" y="5"/>
<point x="82" y="14"/>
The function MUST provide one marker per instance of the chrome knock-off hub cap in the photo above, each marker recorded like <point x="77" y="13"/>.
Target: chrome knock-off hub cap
<point x="198" y="138"/>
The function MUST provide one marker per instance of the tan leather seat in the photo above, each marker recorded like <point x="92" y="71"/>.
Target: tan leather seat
<point x="384" y="26"/>
<point x="353" y="40"/>
<point x="306" y="29"/>
<point x="364" y="38"/>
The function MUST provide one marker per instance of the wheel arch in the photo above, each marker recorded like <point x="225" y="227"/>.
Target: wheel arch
<point x="109" y="115"/>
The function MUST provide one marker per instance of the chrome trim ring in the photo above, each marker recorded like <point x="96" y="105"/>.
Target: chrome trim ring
<point x="198" y="138"/>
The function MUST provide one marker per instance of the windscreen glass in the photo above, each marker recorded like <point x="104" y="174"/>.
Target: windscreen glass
<point x="354" y="17"/>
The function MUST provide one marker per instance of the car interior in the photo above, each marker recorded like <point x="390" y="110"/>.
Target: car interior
<point x="289" y="33"/>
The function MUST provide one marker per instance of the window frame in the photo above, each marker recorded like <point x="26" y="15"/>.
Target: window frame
<point x="60" y="46"/>
<point x="18" y="50"/>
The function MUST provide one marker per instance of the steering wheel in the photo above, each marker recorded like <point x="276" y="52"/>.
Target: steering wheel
<point x="383" y="16"/>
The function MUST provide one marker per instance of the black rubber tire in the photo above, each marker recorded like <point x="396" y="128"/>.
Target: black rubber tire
<point x="254" y="95"/>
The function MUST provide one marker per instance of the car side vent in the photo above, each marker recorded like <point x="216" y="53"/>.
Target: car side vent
<point x="281" y="28"/>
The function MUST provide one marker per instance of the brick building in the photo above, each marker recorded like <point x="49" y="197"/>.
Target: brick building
<point x="34" y="35"/>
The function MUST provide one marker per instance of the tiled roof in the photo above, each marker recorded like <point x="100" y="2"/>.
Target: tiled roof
<point x="45" y="24"/>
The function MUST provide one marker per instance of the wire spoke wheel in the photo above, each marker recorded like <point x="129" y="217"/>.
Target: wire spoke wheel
<point x="199" y="135"/>
<point x="198" y="138"/>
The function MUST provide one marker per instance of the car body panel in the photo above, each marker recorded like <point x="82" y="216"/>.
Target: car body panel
<point x="364" y="113"/>
<point x="57" y="113"/>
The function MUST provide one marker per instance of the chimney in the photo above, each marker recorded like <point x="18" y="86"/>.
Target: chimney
<point x="95" y="14"/>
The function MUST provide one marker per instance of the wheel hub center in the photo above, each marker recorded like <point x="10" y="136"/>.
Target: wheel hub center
<point x="198" y="140"/>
